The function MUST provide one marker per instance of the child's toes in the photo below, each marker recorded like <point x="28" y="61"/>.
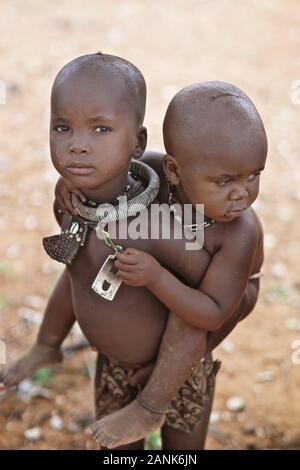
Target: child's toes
<point x="106" y="441"/>
<point x="100" y="435"/>
<point x="100" y="430"/>
<point x="110" y="444"/>
<point x="92" y="428"/>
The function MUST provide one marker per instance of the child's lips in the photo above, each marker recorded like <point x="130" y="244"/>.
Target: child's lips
<point x="235" y="213"/>
<point x="80" y="170"/>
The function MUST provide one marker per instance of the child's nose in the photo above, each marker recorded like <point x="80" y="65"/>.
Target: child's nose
<point x="78" y="148"/>
<point x="238" y="193"/>
<point x="79" y="145"/>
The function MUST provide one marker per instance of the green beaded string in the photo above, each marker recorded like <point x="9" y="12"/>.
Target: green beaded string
<point x="108" y="241"/>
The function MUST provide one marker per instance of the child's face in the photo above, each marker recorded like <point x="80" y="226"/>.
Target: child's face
<point x="226" y="183"/>
<point x="93" y="130"/>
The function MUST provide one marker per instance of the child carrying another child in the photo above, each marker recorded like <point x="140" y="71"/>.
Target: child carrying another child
<point x="216" y="148"/>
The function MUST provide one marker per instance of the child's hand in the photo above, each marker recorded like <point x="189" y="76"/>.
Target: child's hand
<point x="63" y="191"/>
<point x="136" y="268"/>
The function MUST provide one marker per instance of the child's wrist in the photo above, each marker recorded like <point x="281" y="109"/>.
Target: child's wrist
<point x="156" y="277"/>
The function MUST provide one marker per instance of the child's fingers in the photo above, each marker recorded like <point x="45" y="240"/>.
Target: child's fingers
<point x="132" y="251"/>
<point x="67" y="184"/>
<point x="124" y="275"/>
<point x="127" y="278"/>
<point x="79" y="194"/>
<point x="61" y="205"/>
<point x="127" y="258"/>
<point x="125" y="267"/>
<point x="62" y="197"/>
<point x="68" y="203"/>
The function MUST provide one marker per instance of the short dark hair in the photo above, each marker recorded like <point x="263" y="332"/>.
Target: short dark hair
<point x="118" y="68"/>
<point x="189" y="107"/>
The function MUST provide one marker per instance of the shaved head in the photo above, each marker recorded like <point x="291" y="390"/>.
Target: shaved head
<point x="205" y="117"/>
<point x="119" y="72"/>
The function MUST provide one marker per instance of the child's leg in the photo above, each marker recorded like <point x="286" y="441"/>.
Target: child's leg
<point x="112" y="393"/>
<point x="214" y="338"/>
<point x="57" y="322"/>
<point x="177" y="439"/>
<point x="181" y="348"/>
<point x="247" y="304"/>
<point x="174" y="439"/>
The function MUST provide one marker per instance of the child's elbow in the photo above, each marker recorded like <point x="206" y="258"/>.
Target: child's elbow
<point x="215" y="322"/>
<point x="215" y="326"/>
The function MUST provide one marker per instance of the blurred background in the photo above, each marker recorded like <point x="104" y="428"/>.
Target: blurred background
<point x="253" y="44"/>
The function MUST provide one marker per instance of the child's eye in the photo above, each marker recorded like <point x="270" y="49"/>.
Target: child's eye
<point x="102" y="129"/>
<point x="61" y="128"/>
<point x="223" y="183"/>
<point x="253" y="176"/>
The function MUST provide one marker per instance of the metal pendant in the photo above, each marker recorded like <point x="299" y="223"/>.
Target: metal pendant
<point x="106" y="282"/>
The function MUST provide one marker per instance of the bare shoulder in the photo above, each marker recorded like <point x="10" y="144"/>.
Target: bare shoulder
<point x="249" y="221"/>
<point x="243" y="233"/>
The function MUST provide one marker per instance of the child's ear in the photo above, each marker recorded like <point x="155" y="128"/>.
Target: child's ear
<point x="141" y="142"/>
<point x="171" y="169"/>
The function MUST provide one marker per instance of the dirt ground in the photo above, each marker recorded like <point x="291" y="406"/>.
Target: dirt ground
<point x="254" y="44"/>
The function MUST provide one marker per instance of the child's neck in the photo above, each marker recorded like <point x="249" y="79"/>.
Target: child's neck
<point x="109" y="191"/>
<point x="182" y="199"/>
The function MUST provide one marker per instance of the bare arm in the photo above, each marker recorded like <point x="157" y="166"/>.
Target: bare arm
<point x="59" y="316"/>
<point x="217" y="297"/>
<point x="221" y="289"/>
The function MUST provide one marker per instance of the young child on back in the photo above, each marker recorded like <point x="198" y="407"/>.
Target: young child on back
<point x="216" y="150"/>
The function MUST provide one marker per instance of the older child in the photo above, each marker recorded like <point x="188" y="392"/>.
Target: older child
<point x="186" y="359"/>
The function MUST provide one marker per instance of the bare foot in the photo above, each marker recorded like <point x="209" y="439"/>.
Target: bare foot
<point x="40" y="355"/>
<point x="130" y="424"/>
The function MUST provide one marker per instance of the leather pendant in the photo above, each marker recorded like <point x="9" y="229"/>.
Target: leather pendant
<point x="64" y="247"/>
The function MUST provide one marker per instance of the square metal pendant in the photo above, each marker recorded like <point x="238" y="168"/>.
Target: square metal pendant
<point x="106" y="282"/>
